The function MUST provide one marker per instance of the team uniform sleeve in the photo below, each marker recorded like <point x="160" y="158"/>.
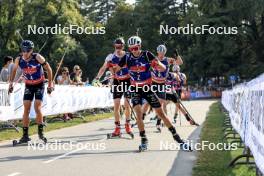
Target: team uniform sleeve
<point x="108" y="60"/>
<point x="150" y="56"/>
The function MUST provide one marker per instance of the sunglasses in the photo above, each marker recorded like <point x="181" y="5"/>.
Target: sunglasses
<point x="134" y="48"/>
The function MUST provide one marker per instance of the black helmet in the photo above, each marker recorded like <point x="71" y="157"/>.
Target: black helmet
<point x="119" y="41"/>
<point x="27" y="45"/>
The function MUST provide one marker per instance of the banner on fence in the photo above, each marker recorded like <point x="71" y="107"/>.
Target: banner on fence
<point x="65" y="99"/>
<point x="245" y="104"/>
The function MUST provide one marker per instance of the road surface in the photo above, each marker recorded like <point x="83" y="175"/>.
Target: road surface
<point x="94" y="155"/>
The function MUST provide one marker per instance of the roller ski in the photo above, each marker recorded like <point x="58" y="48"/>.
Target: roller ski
<point x="40" y="133"/>
<point x="115" y="134"/>
<point x="144" y="144"/>
<point x="24" y="140"/>
<point x="128" y="130"/>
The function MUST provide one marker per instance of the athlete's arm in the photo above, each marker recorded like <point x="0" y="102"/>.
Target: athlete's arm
<point x="101" y="71"/>
<point x="47" y="67"/>
<point x="176" y="76"/>
<point x="185" y="79"/>
<point x="155" y="62"/>
<point x="121" y="64"/>
<point x="13" y="72"/>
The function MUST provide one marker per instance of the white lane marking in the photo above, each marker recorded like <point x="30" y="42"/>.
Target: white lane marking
<point x="14" y="174"/>
<point x="71" y="152"/>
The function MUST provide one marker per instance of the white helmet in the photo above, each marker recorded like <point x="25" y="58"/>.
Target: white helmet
<point x="134" y="40"/>
<point x="176" y="68"/>
<point x="162" y="49"/>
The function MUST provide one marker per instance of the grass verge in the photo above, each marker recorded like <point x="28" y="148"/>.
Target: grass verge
<point x="214" y="163"/>
<point x="8" y="134"/>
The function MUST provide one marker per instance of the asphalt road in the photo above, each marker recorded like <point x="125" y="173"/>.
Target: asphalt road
<point x="94" y="155"/>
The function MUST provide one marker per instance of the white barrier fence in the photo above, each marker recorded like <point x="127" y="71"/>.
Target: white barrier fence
<point x="245" y="104"/>
<point x="65" y="99"/>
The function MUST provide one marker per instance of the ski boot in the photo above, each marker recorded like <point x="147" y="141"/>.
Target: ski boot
<point x="183" y="145"/>
<point x="24" y="139"/>
<point x="116" y="133"/>
<point x="128" y="129"/>
<point x="144" y="144"/>
<point x="40" y="133"/>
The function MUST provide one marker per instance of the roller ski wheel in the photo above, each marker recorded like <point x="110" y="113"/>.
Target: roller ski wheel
<point x="21" y="141"/>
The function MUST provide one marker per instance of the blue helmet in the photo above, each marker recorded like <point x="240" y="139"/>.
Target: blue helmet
<point x="27" y="45"/>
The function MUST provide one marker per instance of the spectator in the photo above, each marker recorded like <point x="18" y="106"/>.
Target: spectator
<point x="4" y="75"/>
<point x="64" y="78"/>
<point x="76" y="69"/>
<point x="77" y="80"/>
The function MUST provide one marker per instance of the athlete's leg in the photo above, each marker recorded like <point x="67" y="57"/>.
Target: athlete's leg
<point x="117" y="109"/>
<point x="39" y="115"/>
<point x="139" y="114"/>
<point x="27" y="99"/>
<point x="154" y="102"/>
<point x="27" y="105"/>
<point x="145" y="109"/>
<point x="127" y="109"/>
